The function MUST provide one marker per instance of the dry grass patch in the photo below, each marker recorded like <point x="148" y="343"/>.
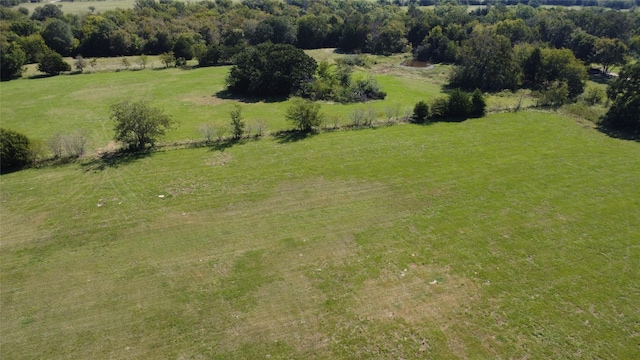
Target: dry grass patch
<point x="416" y="294"/>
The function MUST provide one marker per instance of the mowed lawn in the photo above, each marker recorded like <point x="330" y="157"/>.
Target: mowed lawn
<point x="511" y="236"/>
<point x="65" y="104"/>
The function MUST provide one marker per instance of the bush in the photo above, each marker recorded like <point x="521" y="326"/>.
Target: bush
<point x="459" y="104"/>
<point x="420" y="113"/>
<point x="304" y="114"/>
<point x="138" y="124"/>
<point x="52" y="63"/>
<point x="439" y="108"/>
<point x="593" y="95"/>
<point x="15" y="152"/>
<point x="478" y="104"/>
<point x="237" y="125"/>
<point x="556" y="94"/>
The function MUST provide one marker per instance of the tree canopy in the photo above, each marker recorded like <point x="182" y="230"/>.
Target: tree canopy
<point x="624" y="92"/>
<point x="270" y="70"/>
<point x="137" y="124"/>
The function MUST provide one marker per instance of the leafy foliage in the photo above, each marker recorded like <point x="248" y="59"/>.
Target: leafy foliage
<point x="270" y="70"/>
<point x="420" y="113"/>
<point x="625" y="95"/>
<point x="137" y="124"/>
<point x="14" y="150"/>
<point x="52" y="63"/>
<point x="12" y="58"/>
<point x="304" y="114"/>
<point x="237" y="124"/>
<point x="487" y="63"/>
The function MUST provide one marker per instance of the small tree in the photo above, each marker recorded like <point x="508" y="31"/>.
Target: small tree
<point x="52" y="63"/>
<point x="137" y="124"/>
<point x="126" y="63"/>
<point x="208" y="131"/>
<point x="420" y="113"/>
<point x="80" y="63"/>
<point x="439" y="108"/>
<point x="55" y="144"/>
<point x="459" y="104"/>
<point x="15" y="151"/>
<point x="237" y="125"/>
<point x="478" y="104"/>
<point x="168" y="59"/>
<point x="304" y="115"/>
<point x="142" y="61"/>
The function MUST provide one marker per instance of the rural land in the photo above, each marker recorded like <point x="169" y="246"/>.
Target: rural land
<point x="320" y="179"/>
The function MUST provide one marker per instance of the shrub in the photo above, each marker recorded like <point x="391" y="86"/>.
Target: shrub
<point x="52" y="63"/>
<point x="478" y="104"/>
<point x="459" y="104"/>
<point x="439" y="108"/>
<point x="556" y="94"/>
<point x="304" y="114"/>
<point x="593" y="95"/>
<point x="420" y="113"/>
<point x="15" y="151"/>
<point x="237" y="125"/>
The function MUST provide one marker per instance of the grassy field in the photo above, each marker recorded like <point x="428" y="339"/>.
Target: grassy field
<point x="40" y="107"/>
<point x="510" y="236"/>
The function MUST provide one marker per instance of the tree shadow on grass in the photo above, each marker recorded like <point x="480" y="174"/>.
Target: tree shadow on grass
<point x="227" y="95"/>
<point x="619" y="134"/>
<point x="289" y="136"/>
<point x="113" y="159"/>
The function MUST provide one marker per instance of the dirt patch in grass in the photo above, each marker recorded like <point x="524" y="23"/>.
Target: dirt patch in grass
<point x="219" y="159"/>
<point x="415" y="294"/>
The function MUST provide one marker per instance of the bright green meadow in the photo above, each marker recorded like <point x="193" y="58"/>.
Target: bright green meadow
<point x="513" y="236"/>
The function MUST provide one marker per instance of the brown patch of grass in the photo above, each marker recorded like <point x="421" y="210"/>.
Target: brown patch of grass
<point x="218" y="159"/>
<point x="287" y="311"/>
<point x="416" y="294"/>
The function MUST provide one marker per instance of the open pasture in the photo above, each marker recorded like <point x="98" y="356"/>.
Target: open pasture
<point x="511" y="236"/>
<point x="63" y="104"/>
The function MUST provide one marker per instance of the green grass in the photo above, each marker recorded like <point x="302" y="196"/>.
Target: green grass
<point x="40" y="107"/>
<point x="511" y="236"/>
<point x="82" y="7"/>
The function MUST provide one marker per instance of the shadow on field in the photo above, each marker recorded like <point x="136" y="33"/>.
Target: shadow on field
<point x="113" y="160"/>
<point x="619" y="134"/>
<point x="288" y="136"/>
<point x="226" y="95"/>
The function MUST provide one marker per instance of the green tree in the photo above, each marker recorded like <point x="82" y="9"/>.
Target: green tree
<point x="478" y="104"/>
<point x="237" y="124"/>
<point x="168" y="59"/>
<point x="624" y="93"/>
<point x="304" y="115"/>
<point x="420" y="112"/>
<point x="459" y="104"/>
<point x="12" y="58"/>
<point x="137" y="124"/>
<point x="52" y="63"/>
<point x="58" y="36"/>
<point x="270" y="69"/>
<point x="487" y="63"/>
<point x="609" y="52"/>
<point x="15" y="151"/>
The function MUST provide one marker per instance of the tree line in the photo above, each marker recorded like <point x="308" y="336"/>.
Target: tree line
<point x="215" y="31"/>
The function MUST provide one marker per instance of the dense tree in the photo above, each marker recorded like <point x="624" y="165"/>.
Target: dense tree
<point x="304" y="115"/>
<point x="561" y="65"/>
<point x="49" y="11"/>
<point x="270" y="69"/>
<point x="478" y="104"/>
<point x="57" y="35"/>
<point x="12" y="58"/>
<point x="420" y="112"/>
<point x="209" y="56"/>
<point x="52" y="63"/>
<point x="487" y="62"/>
<point x="15" y="151"/>
<point x="609" y="52"/>
<point x="137" y="124"/>
<point x="34" y="47"/>
<point x="624" y="93"/>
